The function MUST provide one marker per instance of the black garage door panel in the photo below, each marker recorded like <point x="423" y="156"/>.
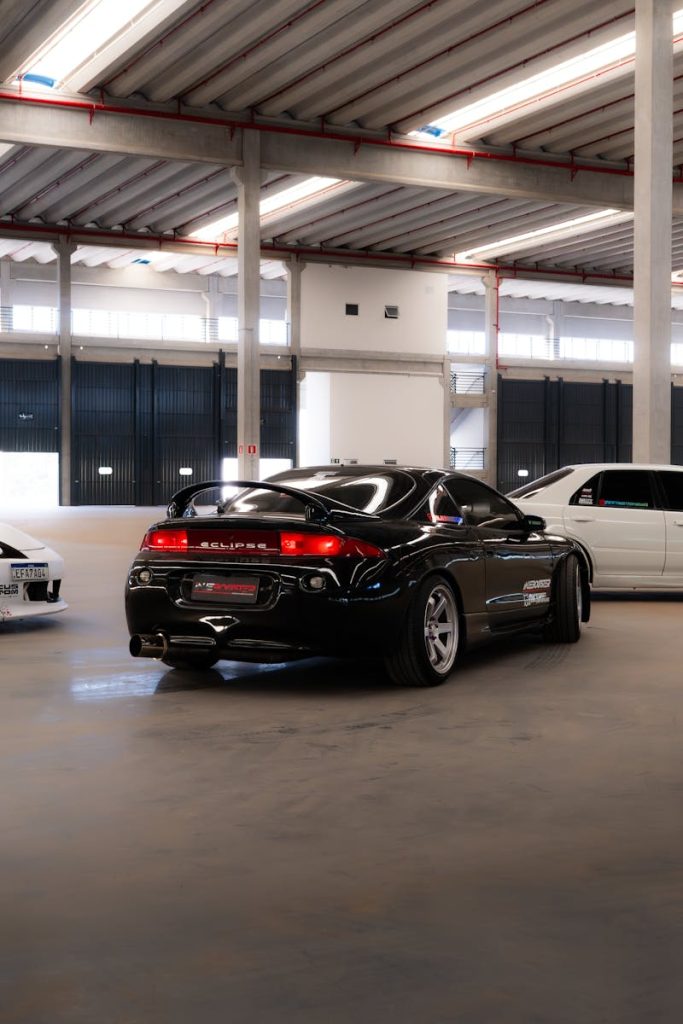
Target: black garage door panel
<point x="677" y="426"/>
<point x="278" y="415"/>
<point x="185" y="428"/>
<point x="545" y="424"/>
<point x="29" y="405"/>
<point x="103" y="434"/>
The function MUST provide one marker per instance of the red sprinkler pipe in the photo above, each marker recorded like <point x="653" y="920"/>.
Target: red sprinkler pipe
<point x="282" y="251"/>
<point x="91" y="107"/>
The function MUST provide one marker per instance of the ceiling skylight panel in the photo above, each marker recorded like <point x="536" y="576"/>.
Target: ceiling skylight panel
<point x="564" y="229"/>
<point x="510" y="100"/>
<point x="95" y="25"/>
<point x="314" y="188"/>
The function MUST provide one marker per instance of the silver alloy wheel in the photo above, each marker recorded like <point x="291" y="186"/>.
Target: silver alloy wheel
<point x="441" y="628"/>
<point x="579" y="596"/>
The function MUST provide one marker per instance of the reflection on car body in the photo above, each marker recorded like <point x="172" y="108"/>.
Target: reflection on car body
<point x="406" y="565"/>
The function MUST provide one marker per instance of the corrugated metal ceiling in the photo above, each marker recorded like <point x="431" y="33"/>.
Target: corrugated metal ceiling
<point x="377" y="65"/>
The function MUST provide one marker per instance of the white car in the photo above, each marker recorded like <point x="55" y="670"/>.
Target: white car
<point x="628" y="519"/>
<point x="30" y="576"/>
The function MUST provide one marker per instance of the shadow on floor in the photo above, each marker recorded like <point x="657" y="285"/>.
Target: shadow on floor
<point x="327" y="677"/>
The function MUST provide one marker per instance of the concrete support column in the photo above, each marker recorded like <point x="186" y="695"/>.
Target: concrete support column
<point x="652" y="232"/>
<point x="64" y="249"/>
<point x="448" y="411"/>
<point x="491" y="326"/>
<point x="294" y="267"/>
<point x="211" y="298"/>
<point x="555" y="329"/>
<point x="6" y="295"/>
<point x="248" y="179"/>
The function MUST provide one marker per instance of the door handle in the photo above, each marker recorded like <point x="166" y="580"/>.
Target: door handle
<point x="583" y="519"/>
<point x="678" y="522"/>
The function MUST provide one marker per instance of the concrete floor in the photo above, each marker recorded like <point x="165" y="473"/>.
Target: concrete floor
<point x="310" y="844"/>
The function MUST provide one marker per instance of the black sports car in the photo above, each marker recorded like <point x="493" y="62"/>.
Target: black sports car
<point x="408" y="565"/>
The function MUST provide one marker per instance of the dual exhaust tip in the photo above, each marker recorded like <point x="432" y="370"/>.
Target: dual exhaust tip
<point x="158" y="645"/>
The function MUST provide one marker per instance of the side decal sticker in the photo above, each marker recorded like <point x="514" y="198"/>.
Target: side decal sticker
<point x="536" y="592"/>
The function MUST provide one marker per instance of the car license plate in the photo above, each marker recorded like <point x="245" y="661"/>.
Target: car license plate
<point x="225" y="589"/>
<point x="29" y="571"/>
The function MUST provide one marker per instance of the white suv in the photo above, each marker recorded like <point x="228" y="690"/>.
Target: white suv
<point x="628" y="518"/>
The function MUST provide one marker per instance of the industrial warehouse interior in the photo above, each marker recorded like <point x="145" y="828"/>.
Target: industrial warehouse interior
<point x="412" y="251"/>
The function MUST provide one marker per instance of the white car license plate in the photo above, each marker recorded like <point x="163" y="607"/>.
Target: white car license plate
<point x="30" y="571"/>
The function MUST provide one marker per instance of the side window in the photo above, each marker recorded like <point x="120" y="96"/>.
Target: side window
<point x="442" y="509"/>
<point x="623" y="488"/>
<point x="587" y="494"/>
<point x="480" y="505"/>
<point x="672" y="486"/>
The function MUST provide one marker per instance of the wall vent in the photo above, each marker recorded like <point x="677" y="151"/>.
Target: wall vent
<point x="391" y="312"/>
<point x="352" y="309"/>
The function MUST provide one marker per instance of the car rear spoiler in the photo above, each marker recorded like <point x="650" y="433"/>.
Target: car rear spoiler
<point x="315" y="509"/>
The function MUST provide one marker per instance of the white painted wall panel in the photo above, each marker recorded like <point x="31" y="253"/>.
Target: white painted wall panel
<point x="385" y="416"/>
<point x="421" y="298"/>
<point x="314" y="420"/>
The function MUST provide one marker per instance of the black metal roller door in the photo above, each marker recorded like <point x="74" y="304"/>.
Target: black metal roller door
<point x="103" y="434"/>
<point x="29" y="405"/>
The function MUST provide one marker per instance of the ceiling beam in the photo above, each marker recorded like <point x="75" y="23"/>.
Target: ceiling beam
<point x="195" y="136"/>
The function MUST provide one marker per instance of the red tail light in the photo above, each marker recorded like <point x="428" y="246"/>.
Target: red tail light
<point x="164" y="540"/>
<point x="323" y="545"/>
<point x="327" y="545"/>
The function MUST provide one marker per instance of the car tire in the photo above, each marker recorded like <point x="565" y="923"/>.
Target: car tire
<point x="565" y="627"/>
<point x="430" y="638"/>
<point x="193" y="661"/>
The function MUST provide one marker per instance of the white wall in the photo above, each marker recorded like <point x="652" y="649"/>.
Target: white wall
<point x="421" y="297"/>
<point x="314" y="420"/>
<point x="377" y="416"/>
<point x="468" y="429"/>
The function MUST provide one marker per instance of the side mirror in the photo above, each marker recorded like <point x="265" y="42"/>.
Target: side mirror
<point x="534" y="524"/>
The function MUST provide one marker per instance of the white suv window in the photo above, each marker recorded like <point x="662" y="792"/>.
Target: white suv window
<point x="617" y="488"/>
<point x="672" y="487"/>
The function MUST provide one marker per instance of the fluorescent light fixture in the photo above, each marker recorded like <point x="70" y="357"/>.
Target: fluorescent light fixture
<point x="608" y="56"/>
<point x="94" y="25"/>
<point x="566" y="227"/>
<point x="317" y="187"/>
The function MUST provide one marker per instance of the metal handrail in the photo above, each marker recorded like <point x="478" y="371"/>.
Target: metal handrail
<point x="468" y="382"/>
<point x="468" y="458"/>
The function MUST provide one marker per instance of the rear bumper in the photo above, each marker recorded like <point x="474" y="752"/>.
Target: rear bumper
<point x="11" y="610"/>
<point x="344" y="621"/>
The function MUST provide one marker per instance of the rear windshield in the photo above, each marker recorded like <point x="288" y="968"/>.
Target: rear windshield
<point x="532" y="488"/>
<point x="371" y="492"/>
